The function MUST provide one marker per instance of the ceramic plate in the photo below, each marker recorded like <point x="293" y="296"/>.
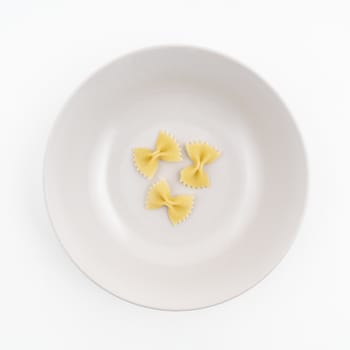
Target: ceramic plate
<point x="240" y="227"/>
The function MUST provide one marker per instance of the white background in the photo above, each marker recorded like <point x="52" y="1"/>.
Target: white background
<point x="302" y="48"/>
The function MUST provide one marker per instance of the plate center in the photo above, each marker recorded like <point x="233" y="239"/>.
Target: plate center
<point x="220" y="212"/>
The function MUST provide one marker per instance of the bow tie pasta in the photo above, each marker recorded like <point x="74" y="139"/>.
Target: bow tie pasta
<point x="201" y="154"/>
<point x="179" y="207"/>
<point x="146" y="160"/>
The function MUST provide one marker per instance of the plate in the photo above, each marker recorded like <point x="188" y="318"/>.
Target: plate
<point x="240" y="227"/>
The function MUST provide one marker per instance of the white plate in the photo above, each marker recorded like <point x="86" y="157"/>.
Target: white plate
<point x="240" y="227"/>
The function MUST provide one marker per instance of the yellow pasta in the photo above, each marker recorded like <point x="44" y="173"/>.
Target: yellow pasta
<point x="179" y="207"/>
<point x="201" y="154"/>
<point x="146" y="160"/>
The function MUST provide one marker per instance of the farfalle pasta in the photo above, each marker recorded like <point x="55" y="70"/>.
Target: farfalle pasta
<point x="201" y="154"/>
<point x="146" y="160"/>
<point x="179" y="207"/>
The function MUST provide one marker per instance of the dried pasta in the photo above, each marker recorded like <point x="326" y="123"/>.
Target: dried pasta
<point x="146" y="160"/>
<point x="179" y="207"/>
<point x="201" y="154"/>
